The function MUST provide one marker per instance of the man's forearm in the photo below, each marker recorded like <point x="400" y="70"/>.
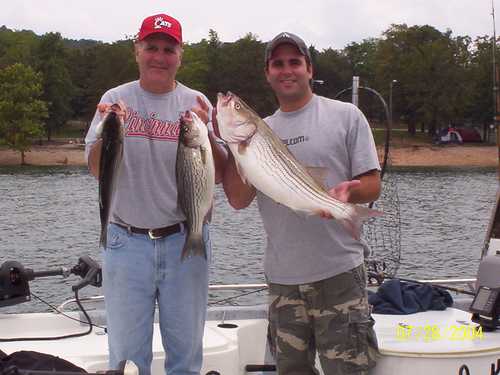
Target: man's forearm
<point x="239" y="194"/>
<point x="369" y="189"/>
<point x="220" y="157"/>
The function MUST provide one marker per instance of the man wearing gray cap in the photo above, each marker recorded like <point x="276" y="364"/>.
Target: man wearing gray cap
<point x="314" y="268"/>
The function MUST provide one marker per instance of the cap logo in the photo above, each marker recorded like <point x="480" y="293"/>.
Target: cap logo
<point x="285" y="35"/>
<point x="160" y="22"/>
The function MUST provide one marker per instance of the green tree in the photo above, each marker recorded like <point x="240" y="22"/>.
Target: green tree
<point x="362" y="59"/>
<point x="241" y="70"/>
<point x="332" y="67"/>
<point x="194" y="70"/>
<point x="215" y="65"/>
<point x="57" y="85"/>
<point x="107" y="66"/>
<point x="480" y="107"/>
<point x="21" y="110"/>
<point x="16" y="46"/>
<point x="429" y="70"/>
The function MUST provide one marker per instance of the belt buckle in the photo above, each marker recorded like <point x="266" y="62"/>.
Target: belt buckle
<point x="152" y="236"/>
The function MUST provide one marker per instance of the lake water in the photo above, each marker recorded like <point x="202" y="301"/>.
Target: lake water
<point x="49" y="217"/>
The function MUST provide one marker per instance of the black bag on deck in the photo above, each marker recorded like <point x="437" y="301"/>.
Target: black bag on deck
<point x="28" y="360"/>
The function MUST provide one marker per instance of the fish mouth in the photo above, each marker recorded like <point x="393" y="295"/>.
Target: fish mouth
<point x="224" y="99"/>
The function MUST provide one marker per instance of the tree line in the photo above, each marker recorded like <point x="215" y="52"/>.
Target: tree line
<point x="436" y="78"/>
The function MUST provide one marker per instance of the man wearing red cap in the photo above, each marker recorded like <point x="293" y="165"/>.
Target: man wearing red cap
<point x="139" y="269"/>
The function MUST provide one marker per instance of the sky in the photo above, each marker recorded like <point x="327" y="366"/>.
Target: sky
<point x="322" y="23"/>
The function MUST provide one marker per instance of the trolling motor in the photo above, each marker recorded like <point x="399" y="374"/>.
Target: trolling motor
<point x="14" y="279"/>
<point x="485" y="307"/>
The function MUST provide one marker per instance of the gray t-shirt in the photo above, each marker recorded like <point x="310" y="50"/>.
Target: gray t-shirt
<point x="146" y="193"/>
<point x="324" y="133"/>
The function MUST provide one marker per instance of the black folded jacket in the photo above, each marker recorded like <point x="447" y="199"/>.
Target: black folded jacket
<point x="399" y="298"/>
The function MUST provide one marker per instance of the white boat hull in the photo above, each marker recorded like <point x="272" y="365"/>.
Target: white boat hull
<point x="241" y="341"/>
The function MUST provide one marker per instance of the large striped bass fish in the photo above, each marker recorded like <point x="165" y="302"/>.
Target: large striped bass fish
<point x="195" y="172"/>
<point x="110" y="130"/>
<point x="266" y="163"/>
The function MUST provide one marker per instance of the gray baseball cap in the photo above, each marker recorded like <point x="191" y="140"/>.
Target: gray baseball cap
<point x="290" y="38"/>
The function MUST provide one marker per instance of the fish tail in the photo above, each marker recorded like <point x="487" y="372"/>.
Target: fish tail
<point x="194" y="245"/>
<point x="354" y="221"/>
<point x="104" y="236"/>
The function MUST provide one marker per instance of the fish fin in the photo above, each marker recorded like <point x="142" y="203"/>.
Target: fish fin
<point x="353" y="223"/>
<point x="319" y="175"/>
<point x="194" y="245"/>
<point x="104" y="236"/>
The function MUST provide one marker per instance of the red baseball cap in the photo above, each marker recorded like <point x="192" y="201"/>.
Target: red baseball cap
<point x="161" y="23"/>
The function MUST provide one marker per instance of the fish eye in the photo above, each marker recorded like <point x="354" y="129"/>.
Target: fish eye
<point x="237" y="106"/>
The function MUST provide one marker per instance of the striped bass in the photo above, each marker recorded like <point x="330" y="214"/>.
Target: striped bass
<point x="110" y="130"/>
<point x="266" y="163"/>
<point x="195" y="173"/>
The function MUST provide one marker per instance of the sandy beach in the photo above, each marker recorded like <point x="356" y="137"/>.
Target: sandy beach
<point x="408" y="155"/>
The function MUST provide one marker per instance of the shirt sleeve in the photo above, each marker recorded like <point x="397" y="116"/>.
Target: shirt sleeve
<point x="361" y="145"/>
<point x="91" y="136"/>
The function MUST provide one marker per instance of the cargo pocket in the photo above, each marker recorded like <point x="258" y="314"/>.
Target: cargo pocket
<point x="361" y="343"/>
<point x="272" y="319"/>
<point x="359" y="276"/>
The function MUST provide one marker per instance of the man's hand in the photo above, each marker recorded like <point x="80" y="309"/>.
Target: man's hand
<point x="219" y="152"/>
<point x="120" y="108"/>
<point x="201" y="110"/>
<point x="342" y="191"/>
<point x="215" y="124"/>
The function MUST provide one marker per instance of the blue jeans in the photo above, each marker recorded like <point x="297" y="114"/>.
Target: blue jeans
<point x="137" y="273"/>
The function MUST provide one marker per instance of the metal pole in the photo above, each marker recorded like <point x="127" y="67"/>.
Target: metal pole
<point x="390" y="97"/>
<point x="355" y="90"/>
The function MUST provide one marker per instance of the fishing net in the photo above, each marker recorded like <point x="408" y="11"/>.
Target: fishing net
<point x="382" y="234"/>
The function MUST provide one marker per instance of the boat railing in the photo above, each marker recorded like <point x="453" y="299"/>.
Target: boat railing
<point x="218" y="287"/>
<point x="97" y="299"/>
<point x="470" y="283"/>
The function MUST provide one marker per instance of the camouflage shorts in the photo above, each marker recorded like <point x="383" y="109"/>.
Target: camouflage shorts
<point x="330" y="317"/>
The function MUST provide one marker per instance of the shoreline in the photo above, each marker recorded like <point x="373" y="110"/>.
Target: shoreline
<point x="421" y="155"/>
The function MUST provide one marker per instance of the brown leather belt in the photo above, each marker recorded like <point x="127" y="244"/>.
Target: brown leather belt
<point x="156" y="233"/>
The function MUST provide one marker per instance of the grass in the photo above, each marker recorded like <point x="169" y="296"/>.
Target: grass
<point x="69" y="133"/>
